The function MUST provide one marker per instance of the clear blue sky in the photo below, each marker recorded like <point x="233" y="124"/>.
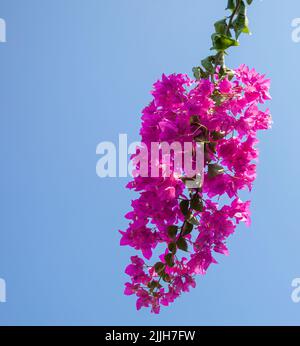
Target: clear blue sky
<point x="77" y="72"/>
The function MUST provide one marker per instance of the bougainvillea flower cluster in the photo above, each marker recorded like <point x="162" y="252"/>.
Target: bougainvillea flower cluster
<point x="176" y="230"/>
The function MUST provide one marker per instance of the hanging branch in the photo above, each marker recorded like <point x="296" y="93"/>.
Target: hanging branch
<point x="188" y="223"/>
<point x="226" y="35"/>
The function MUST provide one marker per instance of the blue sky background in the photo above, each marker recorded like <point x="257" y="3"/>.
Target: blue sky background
<point x="77" y="72"/>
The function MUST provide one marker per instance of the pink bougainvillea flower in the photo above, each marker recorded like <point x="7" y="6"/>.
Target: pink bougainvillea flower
<point x="184" y="229"/>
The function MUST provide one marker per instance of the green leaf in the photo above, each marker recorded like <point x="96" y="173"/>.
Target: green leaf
<point x="187" y="228"/>
<point x="166" y="277"/>
<point x="194" y="120"/>
<point x="242" y="8"/>
<point x="153" y="284"/>
<point x="193" y="220"/>
<point x="172" y="231"/>
<point x="197" y="73"/>
<point x="222" y="42"/>
<point x="225" y="71"/>
<point x="212" y="146"/>
<point x="240" y="24"/>
<point x="221" y="26"/>
<point x="214" y="170"/>
<point x="230" y="5"/>
<point x="182" y="244"/>
<point x="159" y="267"/>
<point x="222" y="72"/>
<point x="200" y="73"/>
<point x="208" y="64"/>
<point x="184" y="207"/>
<point x="172" y="248"/>
<point x="196" y="204"/>
<point x="219" y="99"/>
<point x="249" y="2"/>
<point x="216" y="135"/>
<point x="169" y="260"/>
<point x="229" y="73"/>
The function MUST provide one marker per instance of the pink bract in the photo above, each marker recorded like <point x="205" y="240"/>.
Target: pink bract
<point x="229" y="111"/>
